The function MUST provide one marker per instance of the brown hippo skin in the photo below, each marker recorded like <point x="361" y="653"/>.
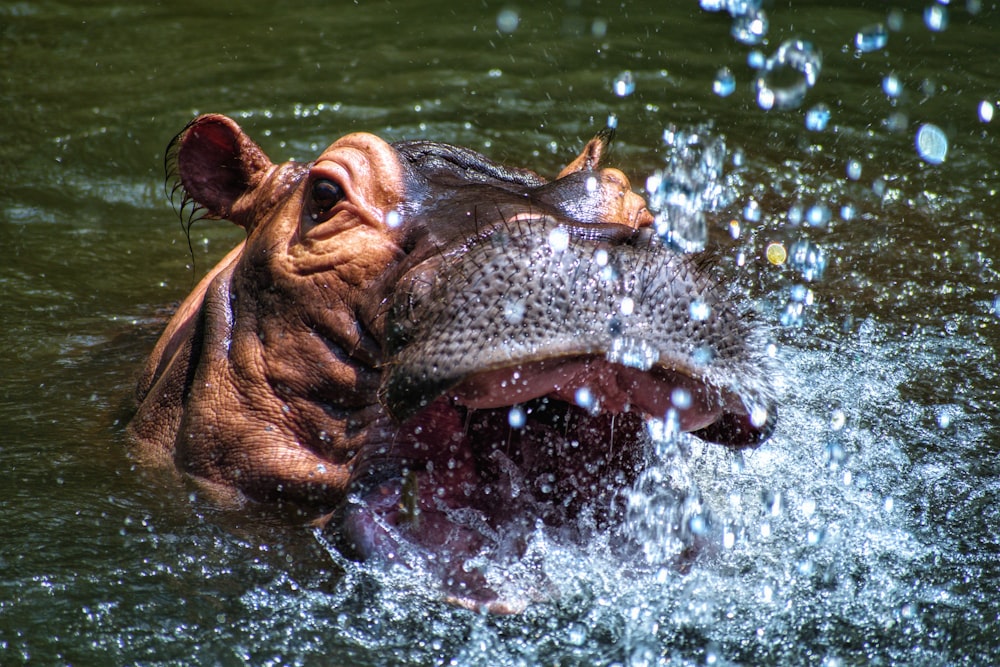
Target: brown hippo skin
<point x="359" y="354"/>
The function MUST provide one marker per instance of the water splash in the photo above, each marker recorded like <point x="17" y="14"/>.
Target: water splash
<point x="788" y="75"/>
<point x="690" y="184"/>
<point x="809" y="259"/>
<point x="632" y="353"/>
<point x="664" y="511"/>
<point x="750" y="23"/>
<point x="750" y="28"/>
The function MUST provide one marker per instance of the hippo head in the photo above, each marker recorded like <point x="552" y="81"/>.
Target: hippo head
<point x="424" y="345"/>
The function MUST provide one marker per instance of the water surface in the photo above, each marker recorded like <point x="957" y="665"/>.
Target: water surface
<point x="865" y="532"/>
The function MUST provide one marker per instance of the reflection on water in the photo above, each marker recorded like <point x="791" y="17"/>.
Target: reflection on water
<point x="860" y="225"/>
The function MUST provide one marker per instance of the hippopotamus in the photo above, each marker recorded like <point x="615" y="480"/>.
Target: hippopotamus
<point x="419" y="346"/>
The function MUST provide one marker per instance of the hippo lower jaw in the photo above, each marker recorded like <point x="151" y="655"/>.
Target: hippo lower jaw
<point x="539" y="441"/>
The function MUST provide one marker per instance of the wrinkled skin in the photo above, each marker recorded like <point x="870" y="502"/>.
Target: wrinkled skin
<point x="358" y="355"/>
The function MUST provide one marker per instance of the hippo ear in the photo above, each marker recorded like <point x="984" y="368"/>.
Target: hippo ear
<point x="590" y="157"/>
<point x="216" y="163"/>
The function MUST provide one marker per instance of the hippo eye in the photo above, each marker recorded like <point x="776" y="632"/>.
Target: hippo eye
<point x="325" y="195"/>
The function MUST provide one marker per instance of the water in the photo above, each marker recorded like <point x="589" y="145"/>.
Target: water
<point x="691" y="183"/>
<point x="872" y="37"/>
<point x="932" y="144"/>
<point x="864" y="532"/>
<point x="818" y="117"/>
<point x="788" y="75"/>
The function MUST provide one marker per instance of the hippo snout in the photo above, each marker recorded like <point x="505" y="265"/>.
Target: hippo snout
<point x="537" y="307"/>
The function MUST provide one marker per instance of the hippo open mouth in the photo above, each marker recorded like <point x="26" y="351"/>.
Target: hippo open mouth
<point x="435" y="351"/>
<point x="542" y="412"/>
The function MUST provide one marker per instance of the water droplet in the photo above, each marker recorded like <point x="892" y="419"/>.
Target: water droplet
<point x="985" y="111"/>
<point x="559" y="239"/>
<point x="699" y="311"/>
<point x="936" y="18"/>
<point x="624" y="84"/>
<point x="758" y="415"/>
<point x="516" y="417"/>
<point x="513" y="311"/>
<point x="612" y="121"/>
<point x="681" y="398"/>
<point x="703" y="355"/>
<point x="897" y="121"/>
<point x="891" y="85"/>
<point x="889" y="503"/>
<point x="793" y="315"/>
<point x="632" y="353"/>
<point x="393" y="219"/>
<point x="817" y="118"/>
<point x="801" y="294"/>
<point x="584" y="398"/>
<point x="788" y="75"/>
<point x="495" y="73"/>
<point x="725" y="82"/>
<point x="943" y="418"/>
<point x="795" y="214"/>
<point x="838" y="420"/>
<point x="818" y="215"/>
<point x="871" y="38"/>
<point x="809" y="258"/>
<point x="627" y="306"/>
<point x="895" y="20"/>
<point x="713" y="5"/>
<point x="776" y="254"/>
<point x="834" y="455"/>
<point x="847" y="212"/>
<point x="808" y="507"/>
<point x="577" y="634"/>
<point x="750" y="28"/>
<point x="853" y="171"/>
<point x="756" y="59"/>
<point x="507" y="20"/>
<point x="932" y="144"/>
<point x="751" y="212"/>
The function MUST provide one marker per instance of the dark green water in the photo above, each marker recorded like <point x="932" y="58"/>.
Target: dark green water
<point x="883" y="547"/>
